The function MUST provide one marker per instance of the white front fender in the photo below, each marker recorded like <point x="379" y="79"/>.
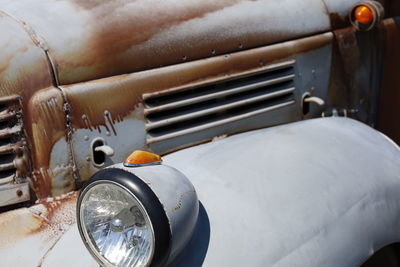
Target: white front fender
<point x="323" y="192"/>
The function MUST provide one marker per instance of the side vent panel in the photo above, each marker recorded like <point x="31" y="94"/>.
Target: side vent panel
<point x="184" y="116"/>
<point x="13" y="154"/>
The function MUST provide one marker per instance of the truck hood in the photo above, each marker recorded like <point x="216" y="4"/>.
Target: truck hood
<point x="87" y="40"/>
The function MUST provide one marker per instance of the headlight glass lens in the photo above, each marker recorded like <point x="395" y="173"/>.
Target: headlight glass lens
<point x="116" y="226"/>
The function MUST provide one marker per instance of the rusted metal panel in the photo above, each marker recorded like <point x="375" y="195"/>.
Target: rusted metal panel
<point x="35" y="230"/>
<point x="390" y="93"/>
<point x="123" y="92"/>
<point x="357" y="73"/>
<point x="46" y="124"/>
<point x="24" y="69"/>
<point x="101" y="39"/>
<point x="120" y="120"/>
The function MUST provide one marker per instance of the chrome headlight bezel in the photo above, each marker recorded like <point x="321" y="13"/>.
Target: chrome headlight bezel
<point x="148" y="201"/>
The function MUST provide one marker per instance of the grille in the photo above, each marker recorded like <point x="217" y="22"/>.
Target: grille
<point x="183" y="111"/>
<point x="11" y="138"/>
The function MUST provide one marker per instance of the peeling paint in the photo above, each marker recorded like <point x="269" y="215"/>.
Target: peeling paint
<point x="45" y="125"/>
<point x="121" y="36"/>
<point x="35" y="229"/>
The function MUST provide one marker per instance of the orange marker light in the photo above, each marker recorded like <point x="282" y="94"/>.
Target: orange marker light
<point x="141" y="158"/>
<point x="363" y="14"/>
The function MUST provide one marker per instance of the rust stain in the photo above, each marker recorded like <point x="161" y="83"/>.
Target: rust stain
<point x="24" y="70"/>
<point x="390" y="93"/>
<point x="338" y="21"/>
<point x="179" y="204"/>
<point x="136" y="23"/>
<point x="47" y="219"/>
<point x="45" y="125"/>
<point x="124" y="36"/>
<point x="124" y="92"/>
<point x="56" y="210"/>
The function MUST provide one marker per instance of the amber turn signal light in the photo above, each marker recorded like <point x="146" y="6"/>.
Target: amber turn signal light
<point x="140" y="158"/>
<point x="363" y="14"/>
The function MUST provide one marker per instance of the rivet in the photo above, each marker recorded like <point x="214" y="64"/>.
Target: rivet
<point x="108" y="133"/>
<point x="184" y="58"/>
<point x="213" y="52"/>
<point x="87" y="158"/>
<point x="86" y="138"/>
<point x="19" y="193"/>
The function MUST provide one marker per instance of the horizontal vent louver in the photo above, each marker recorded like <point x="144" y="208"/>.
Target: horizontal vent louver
<point x="174" y="113"/>
<point x="10" y="137"/>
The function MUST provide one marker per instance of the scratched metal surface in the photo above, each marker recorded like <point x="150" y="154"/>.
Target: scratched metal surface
<point x="94" y="39"/>
<point x="28" y="234"/>
<point x="48" y="43"/>
<point x="299" y="194"/>
<point x="25" y="71"/>
<point x="50" y="153"/>
<point x="120" y="120"/>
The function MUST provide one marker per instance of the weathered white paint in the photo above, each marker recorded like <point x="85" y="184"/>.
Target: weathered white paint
<point x="28" y="234"/>
<point x="14" y="193"/>
<point x="322" y="192"/>
<point x="68" y="251"/>
<point x="294" y="195"/>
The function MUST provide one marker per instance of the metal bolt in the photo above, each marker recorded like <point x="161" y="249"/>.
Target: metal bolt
<point x="86" y="138"/>
<point x="88" y="158"/>
<point x="19" y="193"/>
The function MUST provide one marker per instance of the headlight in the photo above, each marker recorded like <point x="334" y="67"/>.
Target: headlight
<point x="137" y="216"/>
<point x="116" y="225"/>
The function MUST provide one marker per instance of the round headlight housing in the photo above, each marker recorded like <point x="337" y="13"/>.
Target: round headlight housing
<point x="122" y="222"/>
<point x="116" y="226"/>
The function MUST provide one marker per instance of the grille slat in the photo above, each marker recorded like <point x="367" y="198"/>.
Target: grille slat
<point x="7" y="179"/>
<point x="152" y="140"/>
<point x="7" y="166"/>
<point x="268" y="68"/>
<point x="11" y="137"/>
<point x="9" y="132"/>
<point x="6" y="115"/>
<point x="9" y="100"/>
<point x="8" y="149"/>
<point x="217" y="94"/>
<point x="174" y="113"/>
<point x="217" y="109"/>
